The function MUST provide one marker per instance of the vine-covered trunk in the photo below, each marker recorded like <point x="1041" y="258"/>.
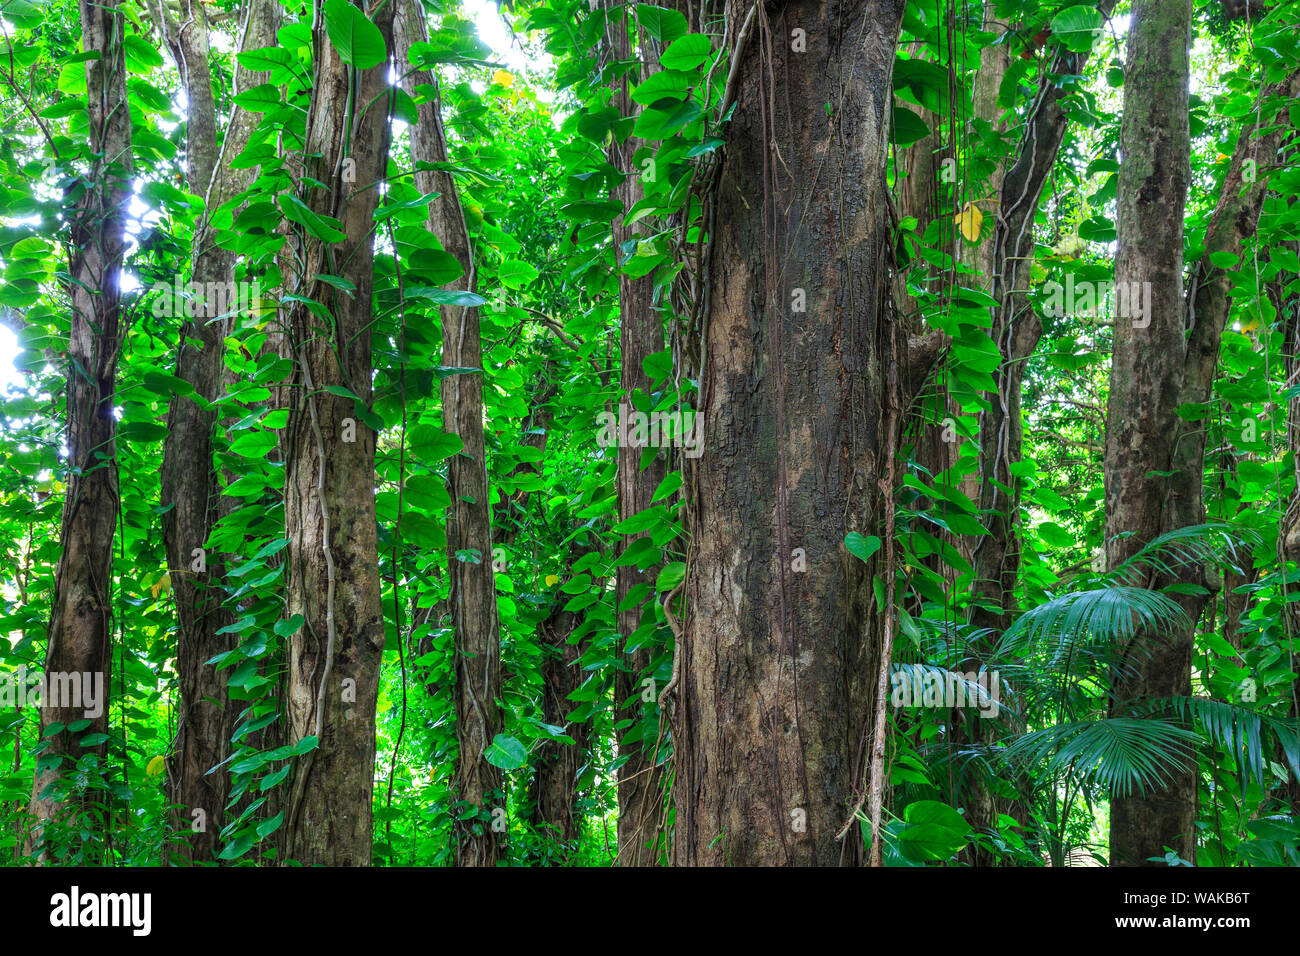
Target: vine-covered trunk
<point x="79" y="652"/>
<point x="189" y="480"/>
<point x="641" y="334"/>
<point x="555" y="781"/>
<point x="783" y="639"/>
<point x="469" y="526"/>
<point x="332" y="556"/>
<point x="1146" y="379"/>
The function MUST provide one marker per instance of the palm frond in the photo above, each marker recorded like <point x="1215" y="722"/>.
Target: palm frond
<point x="1239" y="730"/>
<point x="1213" y="543"/>
<point x="1122" y="754"/>
<point x="1104" y="616"/>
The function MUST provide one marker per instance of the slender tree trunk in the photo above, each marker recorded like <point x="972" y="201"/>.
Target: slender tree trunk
<point x="469" y="528"/>
<point x="333" y="561"/>
<point x="189" y="480"/>
<point x="1209" y="291"/>
<point x="552" y="795"/>
<point x="1142" y="827"/>
<point x="973" y="733"/>
<point x="641" y="334"/>
<point x="1146" y="378"/>
<point x="779" y="666"/>
<point x="80" y="633"/>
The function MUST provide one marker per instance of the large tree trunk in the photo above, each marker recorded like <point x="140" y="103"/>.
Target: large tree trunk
<point x="469" y="528"/>
<point x="189" y="481"/>
<point x="333" y="579"/>
<point x="80" y="633"/>
<point x="779" y="666"/>
<point x="1146" y="380"/>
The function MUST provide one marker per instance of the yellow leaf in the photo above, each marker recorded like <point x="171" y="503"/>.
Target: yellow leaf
<point x="162" y="585"/>
<point x="156" y="767"/>
<point x="552" y="580"/>
<point x="502" y="78"/>
<point x="969" y="221"/>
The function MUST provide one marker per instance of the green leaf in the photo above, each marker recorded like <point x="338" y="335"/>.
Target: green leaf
<point x="860" y="546"/>
<point x="506" y="753"/>
<point x="260" y="99"/>
<point x="662" y="24"/>
<point x="431" y="443"/>
<point x="267" y="827"/>
<point x="358" y="41"/>
<point x="237" y="848"/>
<point x="1076" y="27"/>
<point x="909" y="128"/>
<point x="658" y="366"/>
<point x="686" y="53"/>
<point x="142" y="432"/>
<point x="267" y="59"/>
<point x="467" y="300"/>
<point x="322" y="227"/>
<point x="667" y="487"/>
<point x="663" y="123"/>
<point x="934" y="831"/>
<point x="516" y="274"/>
<point x="665" y="85"/>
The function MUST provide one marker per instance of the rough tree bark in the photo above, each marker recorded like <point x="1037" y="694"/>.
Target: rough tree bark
<point x="469" y="527"/>
<point x="778" y="666"/>
<point x="1146" y="380"/>
<point x="80" y="631"/>
<point x="332" y="557"/>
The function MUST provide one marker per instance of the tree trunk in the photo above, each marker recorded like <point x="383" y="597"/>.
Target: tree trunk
<point x="1146" y="380"/>
<point x="641" y="334"/>
<point x="469" y="528"/>
<point x="779" y="665"/>
<point x="333" y="561"/>
<point x="1178" y="500"/>
<point x="1208" y="301"/>
<point x="556" y="764"/>
<point x="80" y="634"/>
<point x="189" y="480"/>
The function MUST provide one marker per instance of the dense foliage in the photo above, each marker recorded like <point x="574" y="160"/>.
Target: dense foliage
<point x="1021" y="771"/>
